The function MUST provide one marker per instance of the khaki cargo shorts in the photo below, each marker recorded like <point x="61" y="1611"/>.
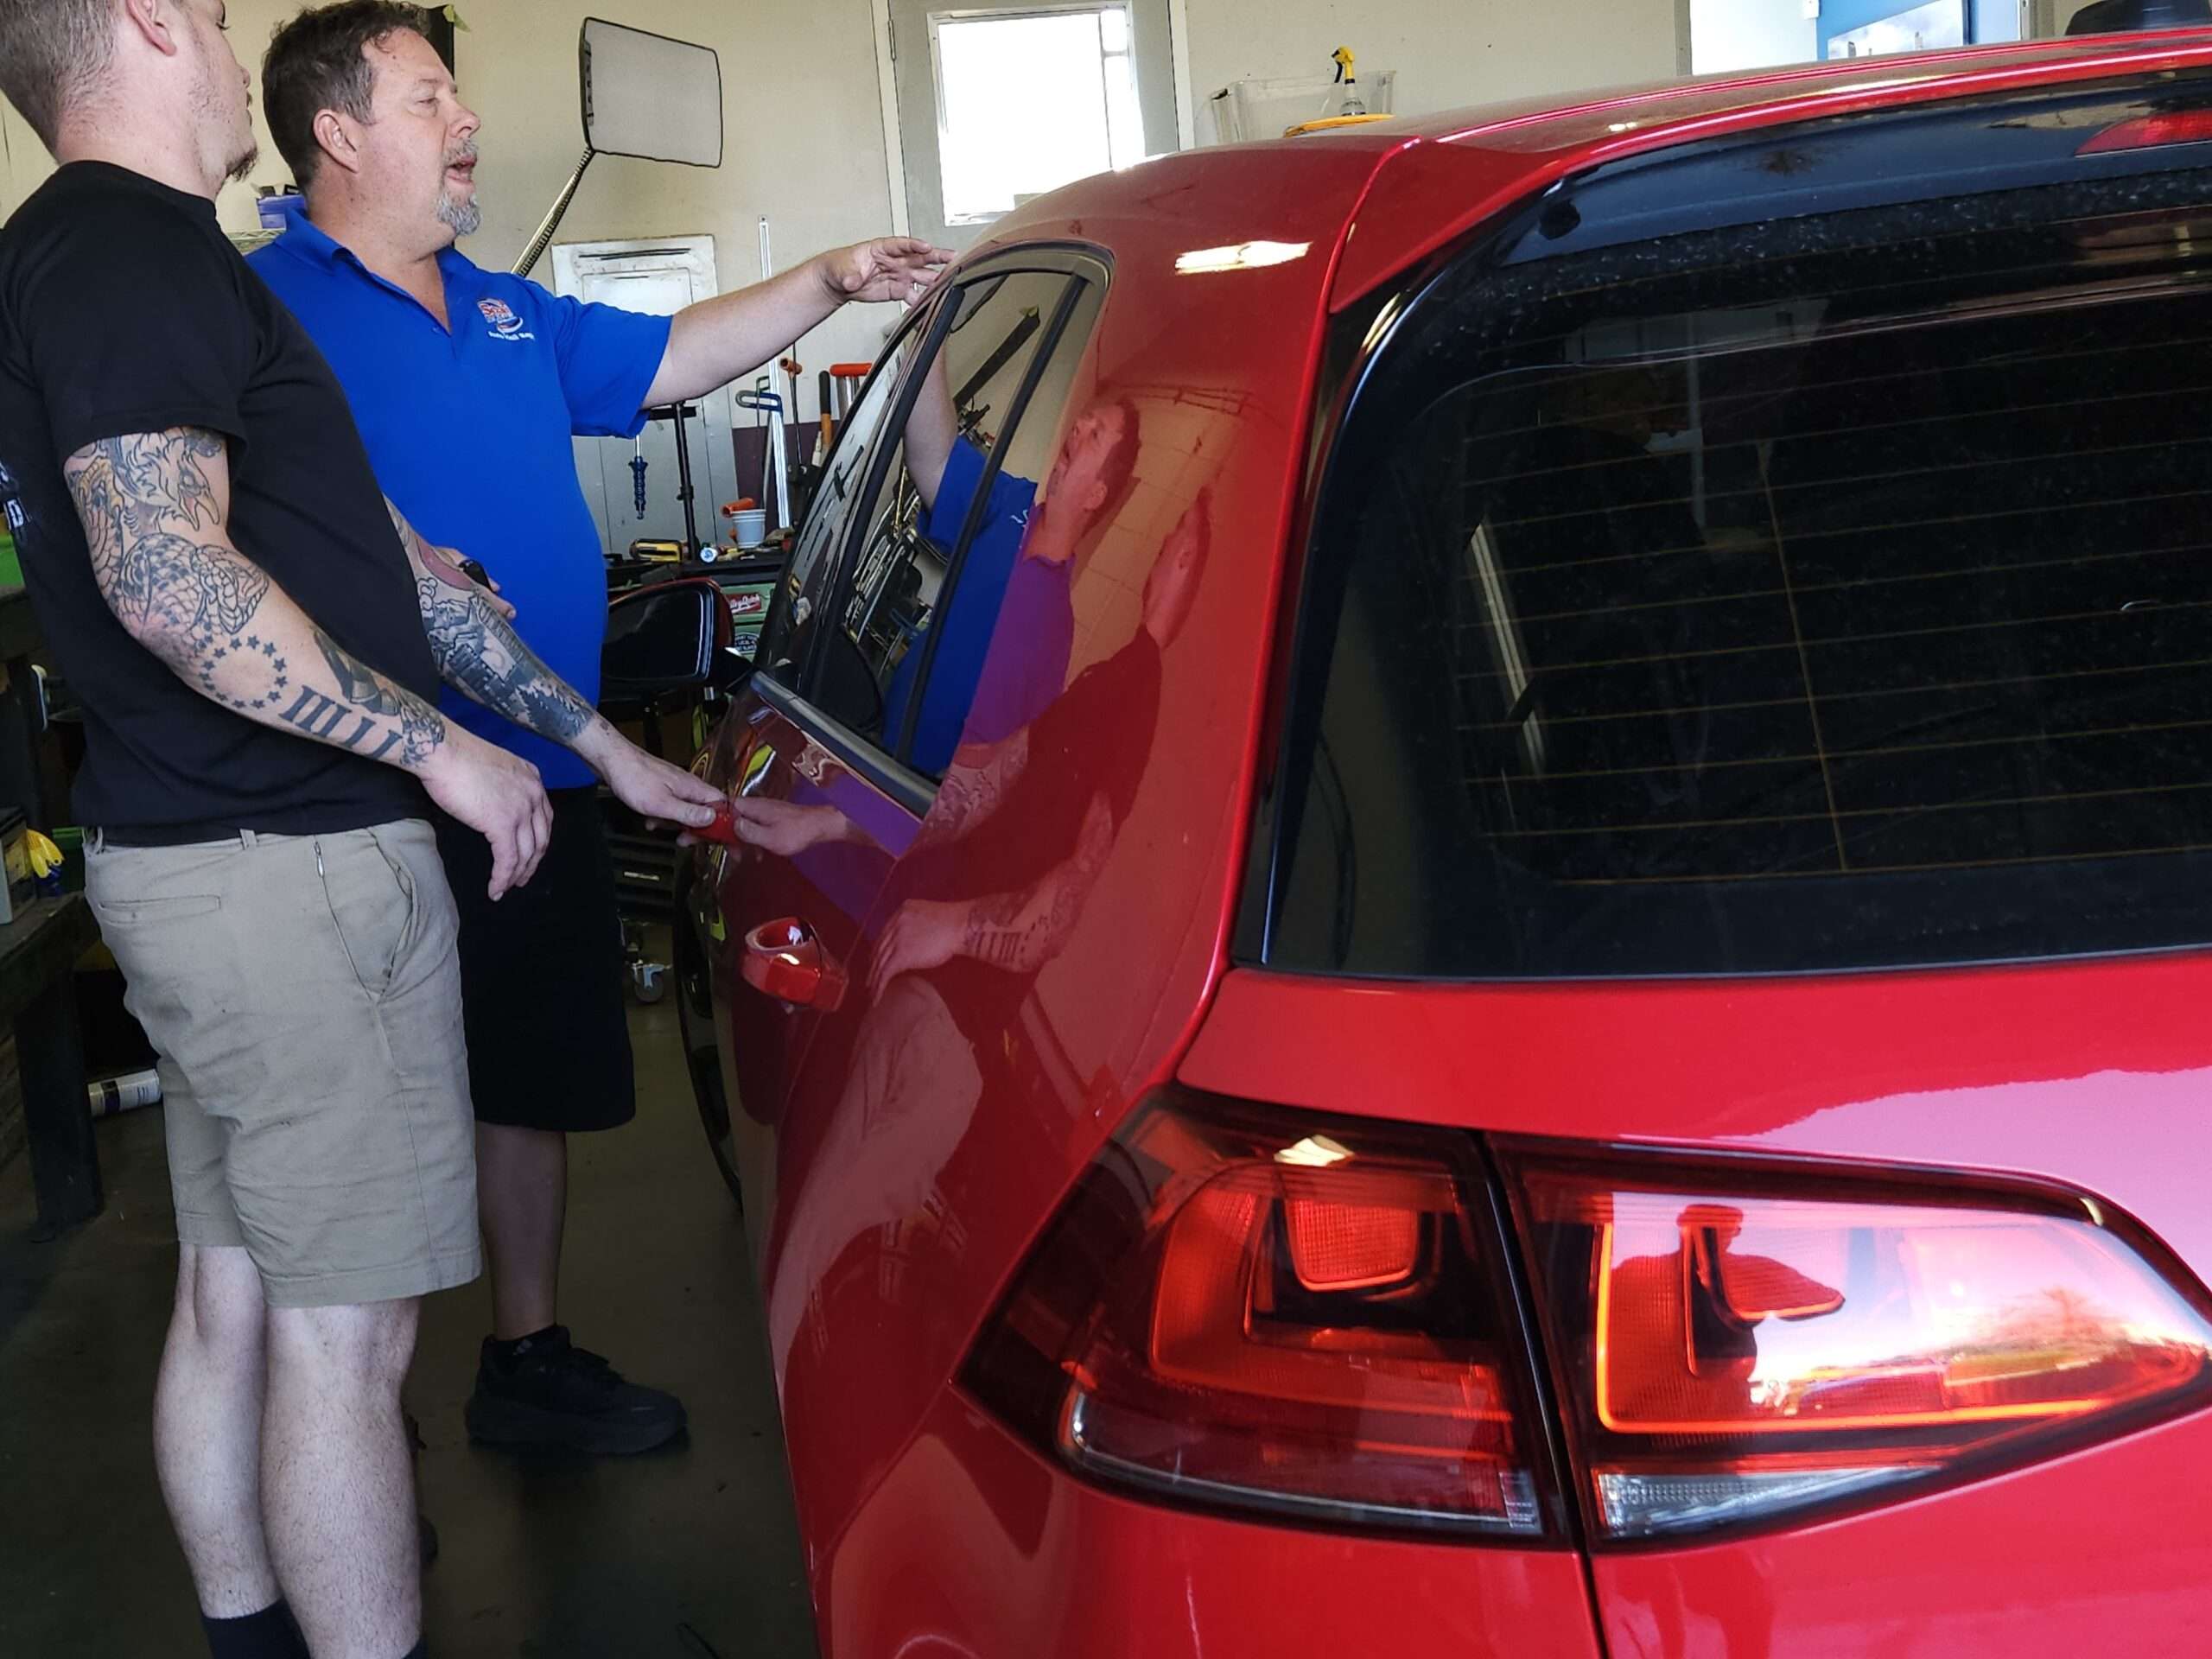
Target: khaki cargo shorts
<point x="303" y="995"/>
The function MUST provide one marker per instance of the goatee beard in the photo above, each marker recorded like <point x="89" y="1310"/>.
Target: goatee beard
<point x="244" y="165"/>
<point x="462" y="217"/>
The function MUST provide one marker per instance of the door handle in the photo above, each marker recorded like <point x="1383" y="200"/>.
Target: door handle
<point x="782" y="959"/>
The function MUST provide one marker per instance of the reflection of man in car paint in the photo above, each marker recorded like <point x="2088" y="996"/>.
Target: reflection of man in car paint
<point x="1022" y="825"/>
<point x="1010" y="856"/>
<point x="1019" y="576"/>
<point x="1047" y="799"/>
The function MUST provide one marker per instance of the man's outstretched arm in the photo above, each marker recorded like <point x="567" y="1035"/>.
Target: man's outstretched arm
<point x="713" y="342"/>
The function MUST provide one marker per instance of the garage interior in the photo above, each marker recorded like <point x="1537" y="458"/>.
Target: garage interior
<point x="689" y="1550"/>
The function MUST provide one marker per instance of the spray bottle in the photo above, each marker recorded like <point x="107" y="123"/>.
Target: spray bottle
<point x="1353" y="103"/>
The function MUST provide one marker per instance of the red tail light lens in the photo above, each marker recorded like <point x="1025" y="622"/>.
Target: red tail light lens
<point x="1255" y="1309"/>
<point x="1734" y="1350"/>
<point x="2153" y="132"/>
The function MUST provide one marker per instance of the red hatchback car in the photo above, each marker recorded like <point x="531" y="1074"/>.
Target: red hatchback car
<point x="1478" y="872"/>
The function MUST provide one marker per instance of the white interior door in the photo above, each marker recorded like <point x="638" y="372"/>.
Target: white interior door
<point x="659" y="278"/>
<point x="998" y="103"/>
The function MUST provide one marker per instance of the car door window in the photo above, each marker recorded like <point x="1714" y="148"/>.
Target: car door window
<point x="941" y="534"/>
<point x="1003" y="647"/>
<point x="814" y="562"/>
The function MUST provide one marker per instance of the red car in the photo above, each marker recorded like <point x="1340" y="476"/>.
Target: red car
<point x="1475" y="879"/>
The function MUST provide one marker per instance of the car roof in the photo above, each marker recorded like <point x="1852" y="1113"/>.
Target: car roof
<point x="1544" y="125"/>
<point x="1381" y="196"/>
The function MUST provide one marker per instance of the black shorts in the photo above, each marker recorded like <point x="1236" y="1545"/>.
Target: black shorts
<point x="541" y="979"/>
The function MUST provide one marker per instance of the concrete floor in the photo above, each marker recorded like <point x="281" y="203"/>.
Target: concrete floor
<point x="688" y="1553"/>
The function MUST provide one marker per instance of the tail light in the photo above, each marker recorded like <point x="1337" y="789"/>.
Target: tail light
<point x="1734" y="1349"/>
<point x="2151" y="132"/>
<point x="1255" y="1309"/>
<point x="1250" y="1307"/>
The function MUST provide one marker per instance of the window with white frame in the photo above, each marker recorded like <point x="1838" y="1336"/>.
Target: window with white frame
<point x="1030" y="100"/>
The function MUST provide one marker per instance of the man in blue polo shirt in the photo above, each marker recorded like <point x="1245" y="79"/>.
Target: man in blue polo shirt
<point x="467" y="385"/>
<point x="1017" y="586"/>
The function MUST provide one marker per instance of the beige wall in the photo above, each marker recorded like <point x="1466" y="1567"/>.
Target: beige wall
<point x="24" y="160"/>
<point x="1446" y="53"/>
<point x="812" y="158"/>
<point x="814" y="167"/>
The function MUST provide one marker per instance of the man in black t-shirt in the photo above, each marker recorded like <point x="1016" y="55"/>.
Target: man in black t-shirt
<point x="256" y="640"/>
<point x="1022" y="827"/>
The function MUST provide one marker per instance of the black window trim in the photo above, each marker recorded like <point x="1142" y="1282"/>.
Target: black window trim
<point x="914" y="791"/>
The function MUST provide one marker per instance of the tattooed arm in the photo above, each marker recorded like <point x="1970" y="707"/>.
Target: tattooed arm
<point x="479" y="653"/>
<point x="975" y="785"/>
<point x="1019" y="932"/>
<point x="155" y="507"/>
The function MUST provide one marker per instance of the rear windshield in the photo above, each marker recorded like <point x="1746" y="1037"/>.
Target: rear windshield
<point x="1827" y="597"/>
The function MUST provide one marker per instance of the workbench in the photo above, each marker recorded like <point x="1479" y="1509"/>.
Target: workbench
<point x="39" y="952"/>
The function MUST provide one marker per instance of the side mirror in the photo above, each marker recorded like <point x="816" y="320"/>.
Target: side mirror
<point x="644" y="95"/>
<point x="672" y="636"/>
<point x="647" y="96"/>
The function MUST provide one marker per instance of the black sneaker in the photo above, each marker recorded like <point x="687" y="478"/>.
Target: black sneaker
<point x="550" y="1392"/>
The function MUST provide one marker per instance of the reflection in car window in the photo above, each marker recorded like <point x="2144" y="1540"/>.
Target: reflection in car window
<point x="1725" y="606"/>
<point x="1023" y="608"/>
<point x="813" y="559"/>
<point x="962" y="412"/>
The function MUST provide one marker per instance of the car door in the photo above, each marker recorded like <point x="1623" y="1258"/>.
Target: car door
<point x="757" y="751"/>
<point x="822" y="741"/>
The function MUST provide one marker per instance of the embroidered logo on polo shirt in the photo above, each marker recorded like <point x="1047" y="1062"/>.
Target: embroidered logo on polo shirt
<point x="505" y="324"/>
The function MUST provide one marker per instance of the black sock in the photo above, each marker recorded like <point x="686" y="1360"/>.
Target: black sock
<point x="505" y="1354"/>
<point x="420" y="1650"/>
<point x="269" y="1634"/>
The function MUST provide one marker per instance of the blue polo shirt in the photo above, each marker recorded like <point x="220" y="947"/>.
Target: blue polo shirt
<point x="970" y="619"/>
<point x="469" y="433"/>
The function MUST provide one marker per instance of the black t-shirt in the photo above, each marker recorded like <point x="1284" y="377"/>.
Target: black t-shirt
<point x="124" y="308"/>
<point x="1093" y="742"/>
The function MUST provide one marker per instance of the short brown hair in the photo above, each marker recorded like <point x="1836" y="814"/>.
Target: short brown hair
<point x="50" y="51"/>
<point x="320" y="61"/>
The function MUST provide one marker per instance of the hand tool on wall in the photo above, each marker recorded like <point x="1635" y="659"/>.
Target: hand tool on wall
<point x="775" y="472"/>
<point x="793" y="369"/>
<point x="849" y="377"/>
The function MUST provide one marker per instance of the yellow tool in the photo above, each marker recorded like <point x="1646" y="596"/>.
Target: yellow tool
<point x="1353" y="112"/>
<point x="1342" y="57"/>
<point x="45" y="856"/>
